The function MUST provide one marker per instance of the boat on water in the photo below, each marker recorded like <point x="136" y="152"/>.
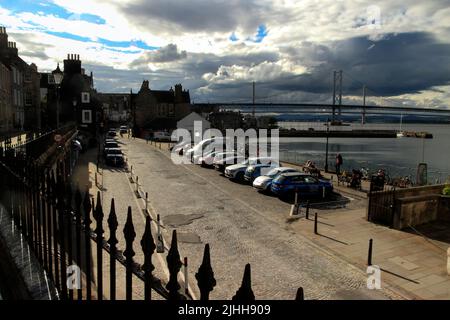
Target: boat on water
<point x="401" y="133"/>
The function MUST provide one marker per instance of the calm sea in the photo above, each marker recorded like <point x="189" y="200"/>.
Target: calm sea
<point x="399" y="156"/>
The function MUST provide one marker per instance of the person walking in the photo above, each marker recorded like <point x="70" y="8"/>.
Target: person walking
<point x="339" y="162"/>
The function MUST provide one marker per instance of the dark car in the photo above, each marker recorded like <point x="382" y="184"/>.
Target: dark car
<point x="116" y="160"/>
<point x="112" y="151"/>
<point x="110" y="145"/>
<point x="123" y="129"/>
<point x="111" y="133"/>
<point x="307" y="185"/>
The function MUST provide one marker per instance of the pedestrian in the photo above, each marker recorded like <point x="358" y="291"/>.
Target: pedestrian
<point x="339" y="162"/>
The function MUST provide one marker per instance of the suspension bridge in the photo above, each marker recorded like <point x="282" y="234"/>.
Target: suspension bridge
<point x="370" y="102"/>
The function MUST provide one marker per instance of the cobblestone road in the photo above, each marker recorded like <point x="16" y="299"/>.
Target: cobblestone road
<point x="241" y="225"/>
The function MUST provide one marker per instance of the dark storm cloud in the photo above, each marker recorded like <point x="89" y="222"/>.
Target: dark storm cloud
<point x="196" y="15"/>
<point x="168" y="53"/>
<point x="397" y="64"/>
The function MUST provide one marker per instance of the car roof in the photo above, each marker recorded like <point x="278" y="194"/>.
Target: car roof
<point x="294" y="174"/>
<point x="282" y="169"/>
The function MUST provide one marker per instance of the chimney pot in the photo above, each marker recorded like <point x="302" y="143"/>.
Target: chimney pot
<point x="68" y="55"/>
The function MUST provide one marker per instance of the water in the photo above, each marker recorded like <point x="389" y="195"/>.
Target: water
<point x="398" y="156"/>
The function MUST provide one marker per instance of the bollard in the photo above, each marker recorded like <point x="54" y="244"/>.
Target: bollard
<point x="96" y="183"/>
<point x="146" y="202"/>
<point x="307" y="209"/>
<point x="160" y="242"/>
<point x="137" y="185"/>
<point x="315" y="223"/>
<point x="369" y="256"/>
<point x="186" y="284"/>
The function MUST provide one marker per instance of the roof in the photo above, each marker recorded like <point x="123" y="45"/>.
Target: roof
<point x="294" y="174"/>
<point x="163" y="96"/>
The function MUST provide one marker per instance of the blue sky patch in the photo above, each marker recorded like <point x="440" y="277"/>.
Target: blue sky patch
<point x="233" y="37"/>
<point x="260" y="34"/>
<point x="48" y="8"/>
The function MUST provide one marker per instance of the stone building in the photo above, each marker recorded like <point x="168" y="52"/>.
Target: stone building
<point x="116" y="107"/>
<point x="6" y="111"/>
<point x="160" y="109"/>
<point x="24" y="86"/>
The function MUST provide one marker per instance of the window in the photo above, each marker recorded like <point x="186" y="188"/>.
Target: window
<point x="86" y="116"/>
<point x="51" y="79"/>
<point x="85" y="98"/>
<point x="28" y="99"/>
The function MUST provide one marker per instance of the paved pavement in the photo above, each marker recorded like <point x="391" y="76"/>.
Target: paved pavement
<point x="241" y="225"/>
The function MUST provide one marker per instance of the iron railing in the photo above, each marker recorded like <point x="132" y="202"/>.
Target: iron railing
<point x="56" y="222"/>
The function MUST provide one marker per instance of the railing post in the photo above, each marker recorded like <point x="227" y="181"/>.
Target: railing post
<point x="315" y="223"/>
<point x="98" y="216"/>
<point x="87" y="206"/>
<point x="186" y="281"/>
<point x="49" y="200"/>
<point x="148" y="248"/>
<point x="62" y="247"/>
<point x="44" y="217"/>
<point x="205" y="276"/>
<point x="55" y="229"/>
<point x="69" y="223"/>
<point x="112" y="225"/>
<point x="159" y="238"/>
<point x="307" y="209"/>
<point x="300" y="296"/>
<point x="130" y="235"/>
<point x="78" y="202"/>
<point x="174" y="265"/>
<point x="245" y="292"/>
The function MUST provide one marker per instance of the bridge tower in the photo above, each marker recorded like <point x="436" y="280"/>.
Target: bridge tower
<point x="337" y="93"/>
<point x="254" y="98"/>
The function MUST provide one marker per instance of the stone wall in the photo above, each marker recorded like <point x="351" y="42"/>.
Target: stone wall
<point x="419" y="205"/>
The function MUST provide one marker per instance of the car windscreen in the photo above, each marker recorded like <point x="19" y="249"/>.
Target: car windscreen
<point x="114" y="151"/>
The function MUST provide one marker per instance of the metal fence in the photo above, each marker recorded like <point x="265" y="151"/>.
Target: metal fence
<point x="381" y="204"/>
<point x="56" y="222"/>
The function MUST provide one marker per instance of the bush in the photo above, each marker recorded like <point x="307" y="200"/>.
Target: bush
<point x="446" y="190"/>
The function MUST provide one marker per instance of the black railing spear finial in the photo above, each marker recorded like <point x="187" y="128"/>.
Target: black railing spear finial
<point x="245" y="292"/>
<point x="98" y="215"/>
<point x="130" y="235"/>
<point x="205" y="275"/>
<point x="300" y="296"/>
<point x="174" y="265"/>
<point x="112" y="241"/>
<point x="148" y="247"/>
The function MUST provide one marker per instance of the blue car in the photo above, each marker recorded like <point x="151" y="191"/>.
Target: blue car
<point x="308" y="186"/>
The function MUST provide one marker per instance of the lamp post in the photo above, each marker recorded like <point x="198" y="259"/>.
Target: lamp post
<point x="326" y="152"/>
<point x="58" y="76"/>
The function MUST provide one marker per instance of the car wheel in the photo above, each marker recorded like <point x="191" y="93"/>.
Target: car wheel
<point x="240" y="176"/>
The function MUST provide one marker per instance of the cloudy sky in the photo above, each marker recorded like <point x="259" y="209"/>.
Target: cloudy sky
<point x="399" y="49"/>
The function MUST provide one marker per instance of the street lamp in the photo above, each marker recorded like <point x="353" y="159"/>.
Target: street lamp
<point x="58" y="76"/>
<point x="326" y="152"/>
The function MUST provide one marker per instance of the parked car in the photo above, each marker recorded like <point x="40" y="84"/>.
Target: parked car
<point x="116" y="160"/>
<point x="255" y="170"/>
<point x="264" y="182"/>
<point x="307" y="185"/>
<point x="204" y="147"/>
<point x="123" y="129"/>
<point x="208" y="160"/>
<point x="111" y="133"/>
<point x="221" y="164"/>
<point x="237" y="171"/>
<point x="162" y="136"/>
<point x="112" y="151"/>
<point x="178" y="148"/>
<point x="109" y="145"/>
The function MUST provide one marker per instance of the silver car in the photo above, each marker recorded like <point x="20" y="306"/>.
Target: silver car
<point x="237" y="171"/>
<point x="263" y="183"/>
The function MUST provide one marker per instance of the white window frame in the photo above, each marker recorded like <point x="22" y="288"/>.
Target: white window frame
<point x="85" y="97"/>
<point x="86" y="116"/>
